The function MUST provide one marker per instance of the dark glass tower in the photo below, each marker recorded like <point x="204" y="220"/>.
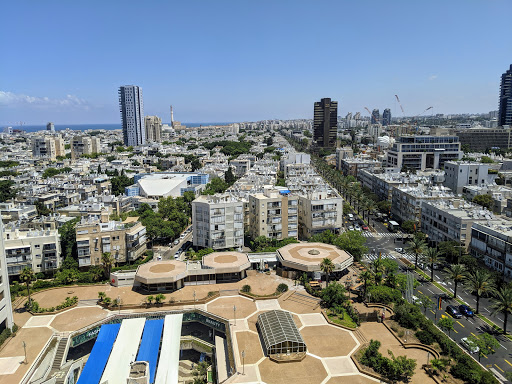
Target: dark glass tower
<point x="505" y="111"/>
<point x="325" y="122"/>
<point x="386" y="117"/>
<point x="375" y="116"/>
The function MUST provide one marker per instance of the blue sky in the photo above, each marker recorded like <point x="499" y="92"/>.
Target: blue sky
<point x="240" y="60"/>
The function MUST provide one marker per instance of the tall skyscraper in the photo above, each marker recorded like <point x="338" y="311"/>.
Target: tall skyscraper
<point x="132" y="115"/>
<point x="325" y="122"/>
<point x="153" y="128"/>
<point x="50" y="127"/>
<point x="505" y="111"/>
<point x="375" y="116"/>
<point x="386" y="117"/>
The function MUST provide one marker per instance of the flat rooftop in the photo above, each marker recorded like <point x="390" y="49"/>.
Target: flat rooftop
<point x="226" y="262"/>
<point x="161" y="272"/>
<point x="308" y="256"/>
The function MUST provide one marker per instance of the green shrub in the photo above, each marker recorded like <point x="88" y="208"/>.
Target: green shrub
<point x="425" y="337"/>
<point x="246" y="288"/>
<point x="385" y="295"/>
<point x="281" y="288"/>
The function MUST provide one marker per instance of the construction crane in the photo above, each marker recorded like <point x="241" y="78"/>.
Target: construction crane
<point x="400" y="104"/>
<point x="371" y="115"/>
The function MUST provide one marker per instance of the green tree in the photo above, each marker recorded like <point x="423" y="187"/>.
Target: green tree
<point x="481" y="284"/>
<point x="107" y="262"/>
<point x="446" y="324"/>
<point x="7" y="191"/>
<point x="26" y="276"/>
<point x="400" y="368"/>
<point x="486" y="160"/>
<point x="457" y="273"/>
<point x="334" y="294"/>
<point x="119" y="183"/>
<point x="431" y="257"/>
<point x="353" y="242"/>
<point x="409" y="226"/>
<point x="41" y="209"/>
<point x="216" y="185"/>
<point x="67" y="234"/>
<point x="200" y="372"/>
<point x="327" y="267"/>
<point x="229" y="177"/>
<point x="485" y="201"/>
<point x="417" y="247"/>
<point x="69" y="263"/>
<point x="502" y="303"/>
<point x="160" y="298"/>
<point x="425" y="302"/>
<point x="486" y="344"/>
<point x="366" y="276"/>
<point x="99" y="169"/>
<point x="50" y="172"/>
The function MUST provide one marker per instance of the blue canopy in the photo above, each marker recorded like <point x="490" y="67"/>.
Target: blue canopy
<point x="91" y="374"/>
<point x="150" y="345"/>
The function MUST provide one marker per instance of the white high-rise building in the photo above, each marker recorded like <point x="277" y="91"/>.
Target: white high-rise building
<point x="6" y="319"/>
<point x="50" y="127"/>
<point x="132" y="115"/>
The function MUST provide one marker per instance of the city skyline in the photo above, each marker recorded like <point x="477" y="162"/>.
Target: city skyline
<point x="251" y="61"/>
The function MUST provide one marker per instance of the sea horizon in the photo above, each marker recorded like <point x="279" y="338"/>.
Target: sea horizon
<point x="85" y="127"/>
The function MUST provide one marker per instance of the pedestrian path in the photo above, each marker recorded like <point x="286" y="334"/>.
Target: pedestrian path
<point x="382" y="234"/>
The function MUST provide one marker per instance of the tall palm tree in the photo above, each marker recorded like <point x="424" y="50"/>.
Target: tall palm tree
<point x="358" y="196"/>
<point x="345" y="184"/>
<point x="417" y="247"/>
<point x="27" y="275"/>
<point x="107" y="262"/>
<point x="431" y="257"/>
<point x="371" y="207"/>
<point x="457" y="273"/>
<point x="366" y="276"/>
<point x="502" y="303"/>
<point x="327" y="266"/>
<point x="481" y="283"/>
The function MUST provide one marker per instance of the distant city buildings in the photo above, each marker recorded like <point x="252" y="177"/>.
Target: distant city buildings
<point x="84" y="145"/>
<point x="482" y="139"/>
<point x="505" y="111"/>
<point x="48" y="147"/>
<point x="375" y="119"/>
<point x="153" y="126"/>
<point x="50" y="127"/>
<point x="132" y="115"/>
<point x="325" y="122"/>
<point x="386" y="117"/>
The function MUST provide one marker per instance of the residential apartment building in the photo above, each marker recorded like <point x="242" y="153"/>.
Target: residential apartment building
<point x="13" y="212"/>
<point x="451" y="220"/>
<point x="273" y="214"/>
<point x="240" y="167"/>
<point x="492" y="243"/>
<point x="126" y="241"/>
<point x="218" y="222"/>
<point x="505" y="109"/>
<point x="343" y="153"/>
<point x="325" y="122"/>
<point x="153" y="125"/>
<point x="131" y="107"/>
<point x="6" y="317"/>
<point x="352" y="166"/>
<point x="48" y="147"/>
<point x="320" y="211"/>
<point x="422" y="152"/>
<point x="84" y="145"/>
<point x="460" y="174"/>
<point x="36" y="249"/>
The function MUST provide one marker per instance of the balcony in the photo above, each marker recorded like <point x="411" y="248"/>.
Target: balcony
<point x="49" y="247"/>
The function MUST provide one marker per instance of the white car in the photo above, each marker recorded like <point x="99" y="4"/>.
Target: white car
<point x="357" y="227"/>
<point x="469" y="345"/>
<point x="399" y="250"/>
<point x="351" y="228"/>
<point x="177" y="255"/>
<point x="182" y="236"/>
<point x="176" y="242"/>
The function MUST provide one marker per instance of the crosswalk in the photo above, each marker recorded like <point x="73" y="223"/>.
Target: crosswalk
<point x="370" y="257"/>
<point x="382" y="234"/>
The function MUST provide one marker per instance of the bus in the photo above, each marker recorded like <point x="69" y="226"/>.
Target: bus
<point x="393" y="226"/>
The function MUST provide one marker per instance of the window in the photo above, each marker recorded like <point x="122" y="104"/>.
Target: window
<point x="37" y="246"/>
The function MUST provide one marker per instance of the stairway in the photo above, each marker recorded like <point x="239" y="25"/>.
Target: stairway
<point x="87" y="303"/>
<point x="59" y="355"/>
<point x="360" y="336"/>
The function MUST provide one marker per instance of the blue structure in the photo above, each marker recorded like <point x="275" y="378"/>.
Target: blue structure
<point x="132" y="190"/>
<point x="91" y="374"/>
<point x="150" y="345"/>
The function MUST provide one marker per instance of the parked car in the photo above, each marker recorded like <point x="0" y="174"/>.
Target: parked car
<point x="365" y="227"/>
<point x="399" y="250"/>
<point x="182" y="236"/>
<point x="177" y="255"/>
<point x="357" y="227"/>
<point x="176" y="242"/>
<point x="466" y="311"/>
<point x="351" y="228"/>
<point x="453" y="312"/>
<point x="469" y="345"/>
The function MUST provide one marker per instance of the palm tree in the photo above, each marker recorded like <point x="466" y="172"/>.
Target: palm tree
<point x="27" y="275"/>
<point x="358" y="196"/>
<point x="502" y="303"/>
<point x="366" y="276"/>
<point x="417" y="247"/>
<point x="327" y="266"/>
<point x="431" y="257"/>
<point x="481" y="283"/>
<point x="457" y="273"/>
<point x="364" y="204"/>
<point x="107" y="262"/>
<point x="371" y="207"/>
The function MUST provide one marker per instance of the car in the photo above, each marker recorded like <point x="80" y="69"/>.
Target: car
<point x="399" y="250"/>
<point x="453" y="312"/>
<point x="357" y="227"/>
<point x="415" y="299"/>
<point x="159" y="258"/>
<point x="469" y="345"/>
<point x="351" y="228"/>
<point x="466" y="311"/>
<point x="177" y="255"/>
<point x="365" y="227"/>
<point x="182" y="236"/>
<point x="176" y="242"/>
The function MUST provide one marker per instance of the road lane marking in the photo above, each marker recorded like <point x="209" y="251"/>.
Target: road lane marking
<point x="487" y="310"/>
<point x="508" y="362"/>
<point x="437" y="277"/>
<point x="456" y="331"/>
<point x="502" y="346"/>
<point x="460" y="324"/>
<point x="470" y="321"/>
<point x="499" y="368"/>
<point x="499" y="319"/>
<point x="432" y="312"/>
<point x="420" y="292"/>
<point x="428" y="289"/>
<point x="474" y="335"/>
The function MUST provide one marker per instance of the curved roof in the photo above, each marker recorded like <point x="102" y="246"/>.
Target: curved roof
<point x="308" y="256"/>
<point x="278" y="327"/>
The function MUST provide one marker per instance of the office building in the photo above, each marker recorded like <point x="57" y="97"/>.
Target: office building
<point x="84" y="145"/>
<point x="505" y="111"/>
<point x="132" y="115"/>
<point x="36" y="249"/>
<point x="153" y="126"/>
<point x="375" y="119"/>
<point x="6" y="318"/>
<point x="50" y="127"/>
<point x="325" y="123"/>
<point x="126" y="241"/>
<point x="460" y="174"/>
<point x="422" y="152"/>
<point x="386" y="117"/>
<point x="273" y="214"/>
<point x="482" y="139"/>
<point x="218" y="222"/>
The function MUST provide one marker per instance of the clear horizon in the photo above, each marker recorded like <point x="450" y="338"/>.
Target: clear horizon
<point x="247" y="61"/>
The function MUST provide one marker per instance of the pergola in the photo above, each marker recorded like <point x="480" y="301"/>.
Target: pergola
<point x="281" y="337"/>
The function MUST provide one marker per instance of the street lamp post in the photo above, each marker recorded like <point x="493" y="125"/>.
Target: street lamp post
<point x="118" y="304"/>
<point x="234" y="312"/>
<point x="194" y="298"/>
<point x="25" y="349"/>
<point x="243" y="362"/>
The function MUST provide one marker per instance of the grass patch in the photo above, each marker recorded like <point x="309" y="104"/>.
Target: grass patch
<point x="342" y="319"/>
